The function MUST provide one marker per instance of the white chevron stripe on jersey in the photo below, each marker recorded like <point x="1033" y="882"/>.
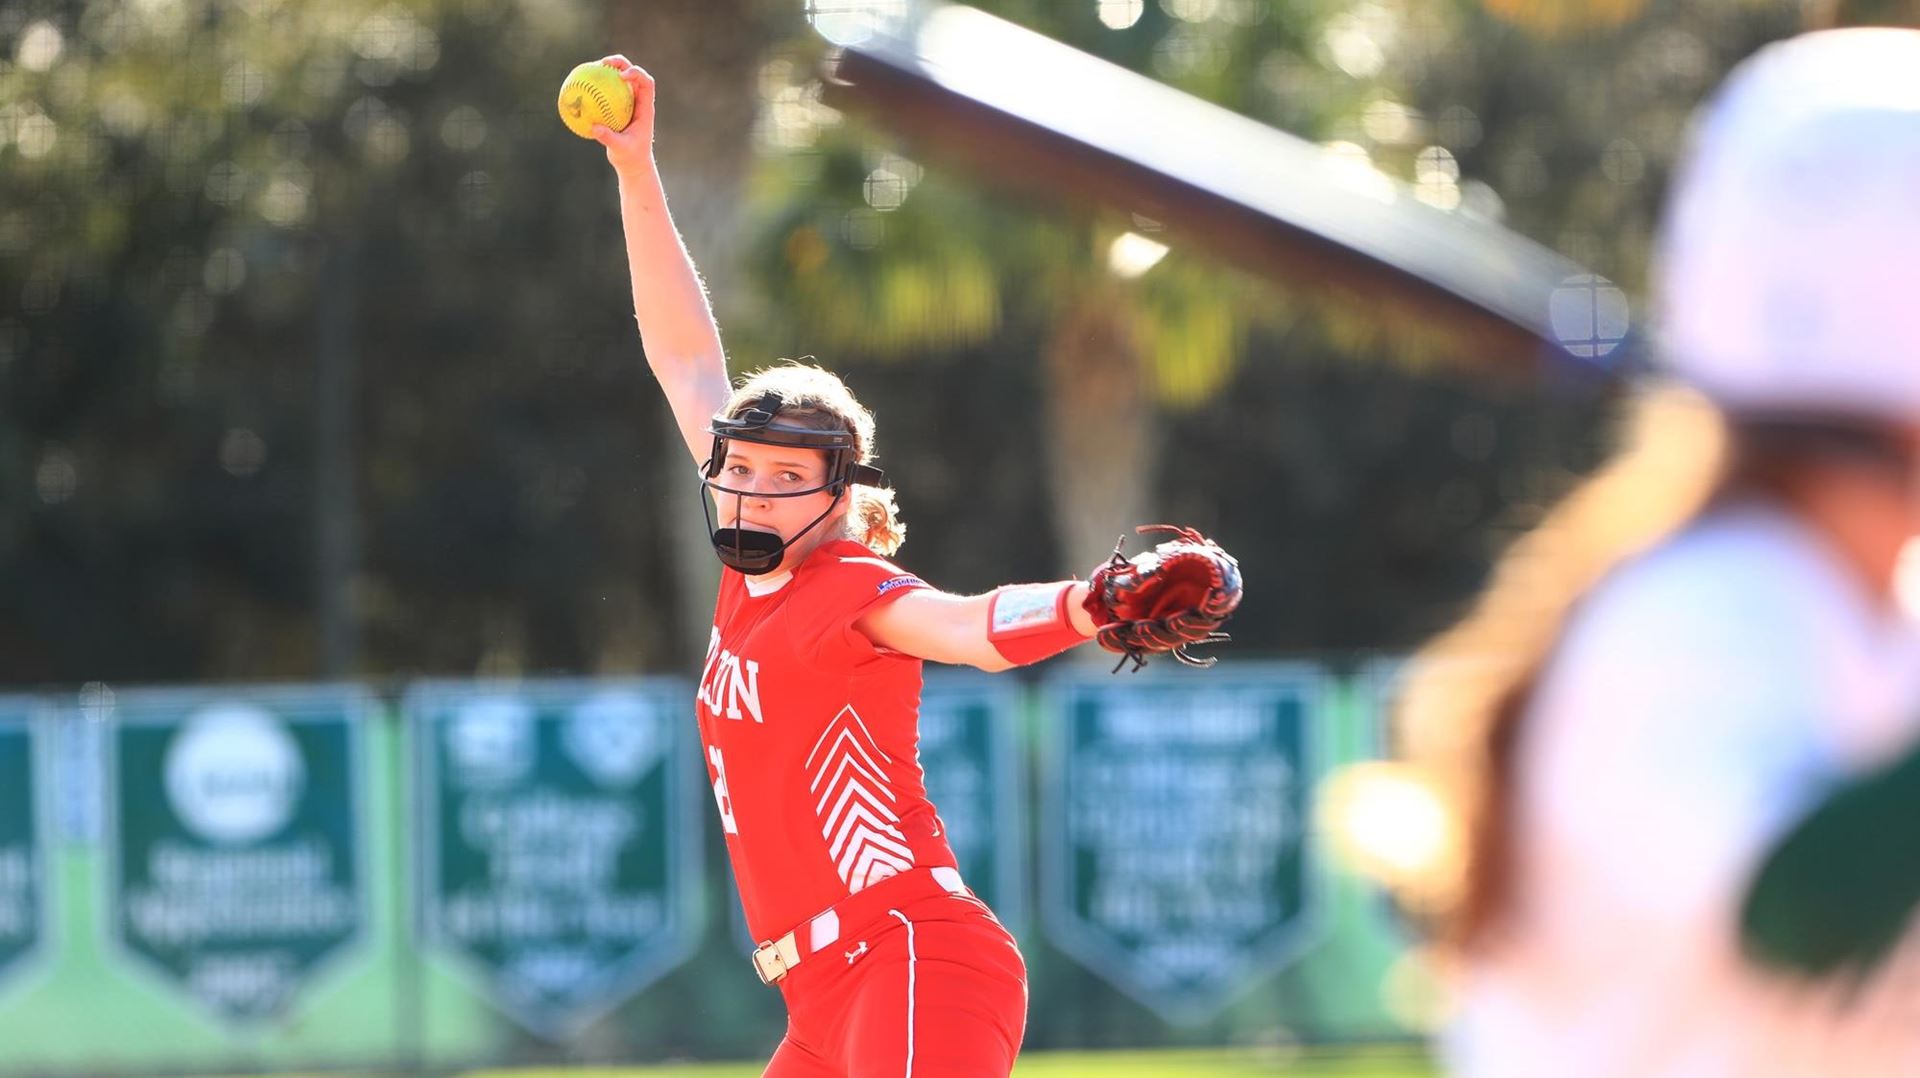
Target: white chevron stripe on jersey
<point x="848" y="719"/>
<point x="860" y="827"/>
<point x="871" y="828"/>
<point x="872" y="868"/>
<point x="842" y="780"/>
<point x="856" y="802"/>
<point x="868" y="845"/>
<point x="847" y="748"/>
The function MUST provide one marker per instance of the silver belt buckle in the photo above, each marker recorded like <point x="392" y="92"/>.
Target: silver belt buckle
<point x="768" y="964"/>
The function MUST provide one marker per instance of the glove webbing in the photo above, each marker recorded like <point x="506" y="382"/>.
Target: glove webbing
<point x="1131" y="650"/>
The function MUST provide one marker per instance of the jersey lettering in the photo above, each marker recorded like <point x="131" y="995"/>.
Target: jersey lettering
<point x="729" y="682"/>
<point x="720" y="795"/>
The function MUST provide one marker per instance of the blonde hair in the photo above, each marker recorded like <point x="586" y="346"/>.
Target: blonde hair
<point x="818" y="400"/>
<point x="1460" y="719"/>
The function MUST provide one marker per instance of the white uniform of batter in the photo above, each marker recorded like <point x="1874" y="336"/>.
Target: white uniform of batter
<point x="1704" y="696"/>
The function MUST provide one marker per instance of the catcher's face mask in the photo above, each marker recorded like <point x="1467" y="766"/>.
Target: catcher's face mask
<point x="753" y="551"/>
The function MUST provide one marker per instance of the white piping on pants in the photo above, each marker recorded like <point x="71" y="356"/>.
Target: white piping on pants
<point x="910" y="961"/>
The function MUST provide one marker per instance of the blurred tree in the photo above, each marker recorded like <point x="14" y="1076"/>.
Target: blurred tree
<point x="866" y="253"/>
<point x="1564" y="131"/>
<point x="1555" y="17"/>
<point x="318" y="365"/>
<point x="315" y="348"/>
<point x="863" y="252"/>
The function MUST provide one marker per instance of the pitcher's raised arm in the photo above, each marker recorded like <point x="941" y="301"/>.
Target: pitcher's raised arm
<point x="670" y="304"/>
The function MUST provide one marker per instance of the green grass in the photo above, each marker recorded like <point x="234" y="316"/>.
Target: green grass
<point x="1215" y="1063"/>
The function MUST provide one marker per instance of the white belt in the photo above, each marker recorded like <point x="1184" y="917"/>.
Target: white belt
<point x="773" y="959"/>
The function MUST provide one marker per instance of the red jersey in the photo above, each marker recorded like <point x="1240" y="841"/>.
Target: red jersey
<point x="811" y="736"/>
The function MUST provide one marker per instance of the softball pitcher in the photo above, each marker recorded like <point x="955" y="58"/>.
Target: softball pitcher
<point x="809" y="701"/>
<point x="1687" y="779"/>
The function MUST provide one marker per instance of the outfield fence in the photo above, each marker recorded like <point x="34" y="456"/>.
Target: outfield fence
<point x="449" y="874"/>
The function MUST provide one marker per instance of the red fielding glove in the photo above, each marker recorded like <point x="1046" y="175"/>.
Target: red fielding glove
<point x="1165" y="600"/>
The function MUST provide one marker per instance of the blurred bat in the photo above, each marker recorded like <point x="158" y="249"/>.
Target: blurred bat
<point x="1022" y="109"/>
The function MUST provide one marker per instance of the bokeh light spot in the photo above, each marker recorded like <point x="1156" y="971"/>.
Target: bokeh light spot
<point x="464" y="129"/>
<point x="225" y="272"/>
<point x="1132" y="255"/>
<point x="40" y="45"/>
<point x="243" y="85"/>
<point x="1589" y="315"/>
<point x="36" y="135"/>
<point x="863" y="229"/>
<point x="1622" y="163"/>
<point x="1120" y="14"/>
<point x="242" y="453"/>
<point x="1191" y="10"/>
<point x="57" y="477"/>
<point x="884" y="189"/>
<point x="226" y="183"/>
<point x="286" y="201"/>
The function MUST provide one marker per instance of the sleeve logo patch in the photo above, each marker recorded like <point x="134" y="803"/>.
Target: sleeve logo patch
<point x="905" y="580"/>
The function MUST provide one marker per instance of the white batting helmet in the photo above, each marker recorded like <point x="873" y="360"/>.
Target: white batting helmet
<point x="1788" y="276"/>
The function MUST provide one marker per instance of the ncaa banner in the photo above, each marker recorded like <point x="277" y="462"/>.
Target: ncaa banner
<point x="970" y="750"/>
<point x="23" y="847"/>
<point x="1175" y="853"/>
<point x="233" y="836"/>
<point x="558" y="832"/>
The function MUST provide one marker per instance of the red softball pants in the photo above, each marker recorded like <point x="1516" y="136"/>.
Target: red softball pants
<point x="935" y="988"/>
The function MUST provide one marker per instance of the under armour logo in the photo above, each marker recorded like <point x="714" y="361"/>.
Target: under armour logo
<point x="856" y="952"/>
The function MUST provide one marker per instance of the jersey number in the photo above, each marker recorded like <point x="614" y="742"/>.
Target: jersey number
<point x="720" y="795"/>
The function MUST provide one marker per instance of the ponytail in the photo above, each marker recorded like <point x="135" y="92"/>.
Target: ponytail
<point x="874" y="520"/>
<point x="1460" y="722"/>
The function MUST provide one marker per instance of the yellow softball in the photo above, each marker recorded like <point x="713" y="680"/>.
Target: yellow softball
<point x="594" y="93"/>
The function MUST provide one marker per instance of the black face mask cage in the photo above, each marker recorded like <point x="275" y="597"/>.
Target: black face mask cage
<point x="755" y="552"/>
<point x="756" y="425"/>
